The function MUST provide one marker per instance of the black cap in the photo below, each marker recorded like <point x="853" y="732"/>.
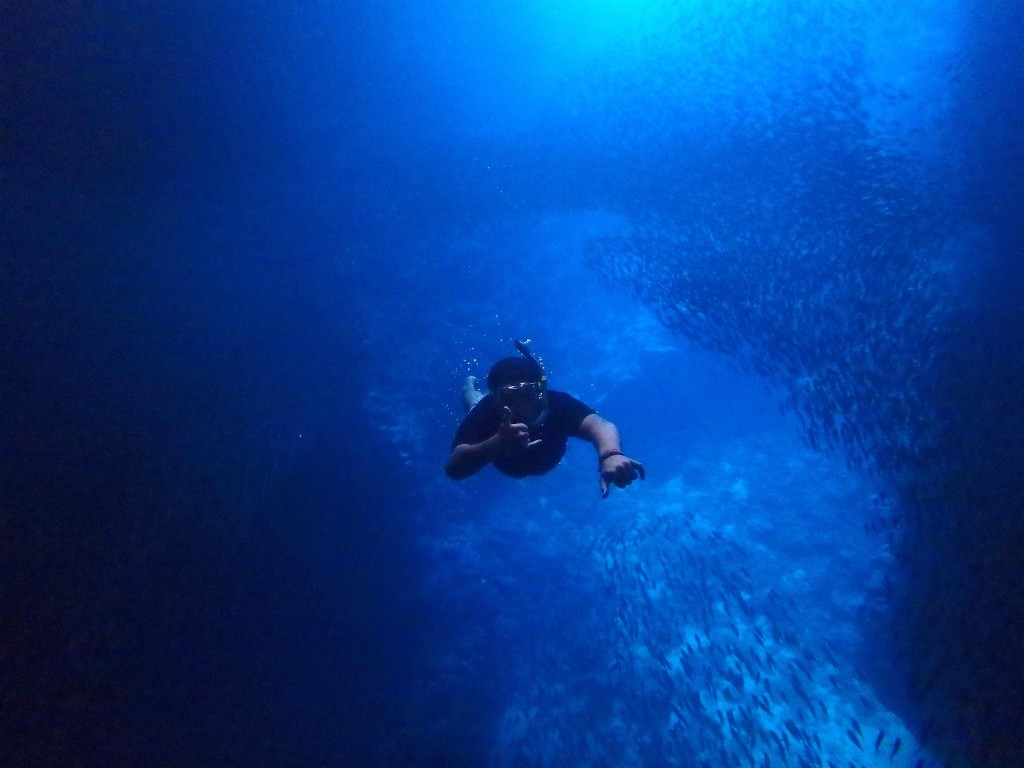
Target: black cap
<point x="513" y="370"/>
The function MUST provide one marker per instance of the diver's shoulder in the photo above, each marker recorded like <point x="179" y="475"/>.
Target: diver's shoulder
<point x="564" y="398"/>
<point x="487" y="406"/>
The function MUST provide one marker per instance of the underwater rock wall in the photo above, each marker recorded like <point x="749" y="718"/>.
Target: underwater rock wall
<point x="869" y="283"/>
<point x="712" y="619"/>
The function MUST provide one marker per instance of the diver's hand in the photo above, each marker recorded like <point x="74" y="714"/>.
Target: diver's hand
<point x="512" y="439"/>
<point x="620" y="470"/>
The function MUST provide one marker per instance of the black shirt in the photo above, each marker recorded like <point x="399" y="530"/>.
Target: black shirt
<point x="565" y="414"/>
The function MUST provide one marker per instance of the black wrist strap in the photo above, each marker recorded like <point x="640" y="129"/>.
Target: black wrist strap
<point x="608" y="455"/>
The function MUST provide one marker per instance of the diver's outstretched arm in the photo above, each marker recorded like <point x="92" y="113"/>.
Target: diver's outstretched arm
<point x="613" y="466"/>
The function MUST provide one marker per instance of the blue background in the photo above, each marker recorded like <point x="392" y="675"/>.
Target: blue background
<point x="251" y="251"/>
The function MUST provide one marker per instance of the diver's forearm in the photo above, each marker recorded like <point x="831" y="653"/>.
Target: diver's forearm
<point x="467" y="459"/>
<point x="603" y="434"/>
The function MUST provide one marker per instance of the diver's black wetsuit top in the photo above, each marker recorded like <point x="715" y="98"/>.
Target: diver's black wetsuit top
<point x="565" y="414"/>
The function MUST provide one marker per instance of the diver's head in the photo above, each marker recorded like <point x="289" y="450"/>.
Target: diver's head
<point x="513" y="370"/>
<point x="519" y="384"/>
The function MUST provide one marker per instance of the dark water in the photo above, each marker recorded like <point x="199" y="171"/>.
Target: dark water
<point x="250" y="252"/>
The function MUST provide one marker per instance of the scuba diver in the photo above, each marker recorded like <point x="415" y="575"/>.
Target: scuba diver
<point x="522" y="427"/>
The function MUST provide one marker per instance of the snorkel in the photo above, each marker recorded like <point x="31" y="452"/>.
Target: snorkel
<point x="542" y="399"/>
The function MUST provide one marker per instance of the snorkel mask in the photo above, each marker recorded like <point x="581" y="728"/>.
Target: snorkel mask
<point x="528" y="396"/>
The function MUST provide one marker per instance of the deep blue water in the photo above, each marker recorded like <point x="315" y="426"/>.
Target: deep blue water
<point x="250" y="253"/>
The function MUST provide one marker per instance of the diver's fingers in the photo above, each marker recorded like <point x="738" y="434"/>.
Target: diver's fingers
<point x="640" y="468"/>
<point x="506" y="417"/>
<point x="604" y="487"/>
<point x="534" y="442"/>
